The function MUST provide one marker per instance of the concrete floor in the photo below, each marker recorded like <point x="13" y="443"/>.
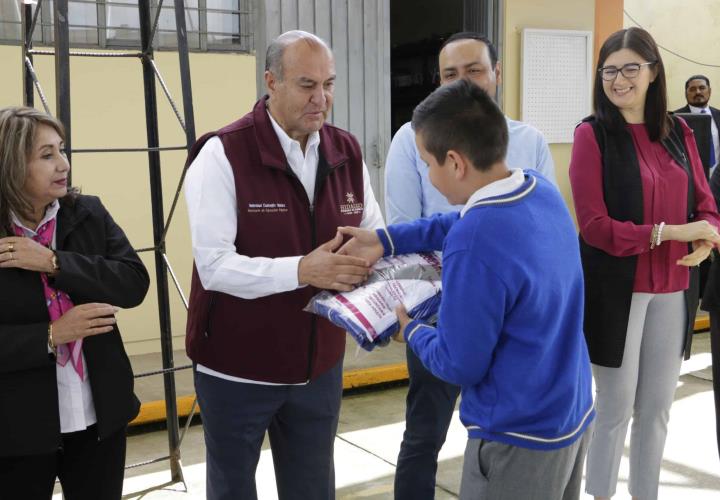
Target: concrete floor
<point x="370" y="431"/>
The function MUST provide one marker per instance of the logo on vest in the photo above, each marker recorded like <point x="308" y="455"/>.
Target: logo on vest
<point x="352" y="207"/>
<point x="267" y="208"/>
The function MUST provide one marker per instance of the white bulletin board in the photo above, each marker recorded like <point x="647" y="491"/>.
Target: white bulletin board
<point x="556" y="81"/>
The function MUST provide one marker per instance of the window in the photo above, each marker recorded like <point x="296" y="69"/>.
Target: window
<point x="211" y="24"/>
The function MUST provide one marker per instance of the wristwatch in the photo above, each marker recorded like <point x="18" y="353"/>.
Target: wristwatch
<point x="54" y="262"/>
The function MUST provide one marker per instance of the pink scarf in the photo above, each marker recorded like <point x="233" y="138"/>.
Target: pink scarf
<point x="57" y="302"/>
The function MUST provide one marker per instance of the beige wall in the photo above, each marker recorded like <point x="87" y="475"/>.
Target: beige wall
<point x="687" y="28"/>
<point x="107" y="106"/>
<point x="557" y="14"/>
<point x="108" y="111"/>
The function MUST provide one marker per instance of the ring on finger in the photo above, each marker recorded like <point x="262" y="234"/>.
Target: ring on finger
<point x="11" y="248"/>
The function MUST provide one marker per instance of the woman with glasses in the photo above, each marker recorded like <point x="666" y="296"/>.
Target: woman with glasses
<point x="66" y="386"/>
<point x="646" y="216"/>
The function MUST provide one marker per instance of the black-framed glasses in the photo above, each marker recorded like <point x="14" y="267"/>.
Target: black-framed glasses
<point x="630" y="70"/>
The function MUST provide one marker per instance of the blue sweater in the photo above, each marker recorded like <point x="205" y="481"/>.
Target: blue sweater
<point x="510" y="324"/>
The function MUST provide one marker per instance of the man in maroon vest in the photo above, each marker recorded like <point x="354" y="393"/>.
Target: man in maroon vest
<point x="265" y="196"/>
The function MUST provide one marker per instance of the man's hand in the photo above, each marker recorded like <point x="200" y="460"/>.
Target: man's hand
<point x="363" y="244"/>
<point x="322" y="268"/>
<point x="403" y="320"/>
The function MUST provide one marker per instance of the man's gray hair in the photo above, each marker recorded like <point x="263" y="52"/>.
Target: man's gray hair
<point x="276" y="49"/>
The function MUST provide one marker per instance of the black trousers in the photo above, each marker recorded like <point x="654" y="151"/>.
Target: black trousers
<point x="430" y="405"/>
<point x="88" y="469"/>
<point x="300" y="420"/>
<point x="715" y="350"/>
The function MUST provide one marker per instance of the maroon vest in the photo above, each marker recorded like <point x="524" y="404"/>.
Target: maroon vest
<point x="271" y="338"/>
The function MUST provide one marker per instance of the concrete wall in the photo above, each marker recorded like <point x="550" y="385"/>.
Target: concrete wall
<point x="558" y="14"/>
<point x="689" y="29"/>
<point x="108" y="111"/>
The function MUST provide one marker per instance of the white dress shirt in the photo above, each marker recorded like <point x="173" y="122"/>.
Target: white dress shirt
<point x="75" y="401"/>
<point x="714" y="132"/>
<point x="212" y="209"/>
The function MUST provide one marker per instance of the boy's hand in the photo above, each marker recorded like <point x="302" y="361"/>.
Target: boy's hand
<point x="364" y="244"/>
<point x="403" y="320"/>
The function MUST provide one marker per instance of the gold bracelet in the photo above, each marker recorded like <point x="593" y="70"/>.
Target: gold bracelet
<point x="54" y="264"/>
<point x="51" y="344"/>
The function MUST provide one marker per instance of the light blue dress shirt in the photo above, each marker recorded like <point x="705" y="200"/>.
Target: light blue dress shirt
<point x="409" y="194"/>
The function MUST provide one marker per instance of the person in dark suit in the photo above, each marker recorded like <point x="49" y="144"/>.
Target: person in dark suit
<point x="711" y="304"/>
<point x="66" y="385"/>
<point x="697" y="94"/>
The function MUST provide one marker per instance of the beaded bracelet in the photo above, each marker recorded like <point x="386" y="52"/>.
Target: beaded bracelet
<point x="659" y="234"/>
<point x="653" y="236"/>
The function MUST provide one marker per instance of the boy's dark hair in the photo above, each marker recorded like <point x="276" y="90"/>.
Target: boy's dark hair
<point x="463" y="117"/>
<point x="697" y="77"/>
<point x="473" y="35"/>
<point x="656" y="118"/>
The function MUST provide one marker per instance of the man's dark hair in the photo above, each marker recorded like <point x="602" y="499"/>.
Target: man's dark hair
<point x="472" y="35"/>
<point x="656" y="118"/>
<point x="463" y="117"/>
<point x="697" y="77"/>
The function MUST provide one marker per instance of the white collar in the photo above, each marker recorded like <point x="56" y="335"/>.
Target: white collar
<point x="695" y="109"/>
<point x="50" y="213"/>
<point x="497" y="188"/>
<point x="286" y="142"/>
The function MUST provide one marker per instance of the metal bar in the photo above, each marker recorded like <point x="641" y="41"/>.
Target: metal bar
<point x="148" y="249"/>
<point x="34" y="21"/>
<point x="43" y="99"/>
<point x="101" y="23"/>
<point x="151" y="119"/>
<point x="62" y="73"/>
<point x="163" y="371"/>
<point x="148" y="462"/>
<point x="129" y="150"/>
<point x="28" y="92"/>
<point x="189" y="420"/>
<point x="87" y="54"/>
<point x="165" y="89"/>
<point x="202" y="23"/>
<point x="175" y="280"/>
<point x="176" y="198"/>
<point x="155" y="23"/>
<point x="188" y="111"/>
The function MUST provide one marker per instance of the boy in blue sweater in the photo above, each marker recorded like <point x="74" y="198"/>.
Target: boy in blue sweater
<point x="510" y="324"/>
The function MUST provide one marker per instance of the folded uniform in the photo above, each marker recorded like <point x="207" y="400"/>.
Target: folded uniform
<point x="368" y="312"/>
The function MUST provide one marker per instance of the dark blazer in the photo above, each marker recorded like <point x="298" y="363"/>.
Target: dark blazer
<point x="711" y="303"/>
<point x="97" y="264"/>
<point x="713" y="111"/>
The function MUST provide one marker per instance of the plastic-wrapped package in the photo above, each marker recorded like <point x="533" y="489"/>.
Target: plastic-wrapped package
<point x="368" y="312"/>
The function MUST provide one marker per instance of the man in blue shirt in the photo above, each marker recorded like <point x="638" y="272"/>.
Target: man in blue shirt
<point x="409" y="196"/>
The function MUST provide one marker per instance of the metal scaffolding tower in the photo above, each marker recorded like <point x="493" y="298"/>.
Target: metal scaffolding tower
<point x="62" y="54"/>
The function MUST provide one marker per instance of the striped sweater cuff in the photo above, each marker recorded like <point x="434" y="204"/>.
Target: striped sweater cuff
<point x="412" y="328"/>
<point x="386" y="240"/>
